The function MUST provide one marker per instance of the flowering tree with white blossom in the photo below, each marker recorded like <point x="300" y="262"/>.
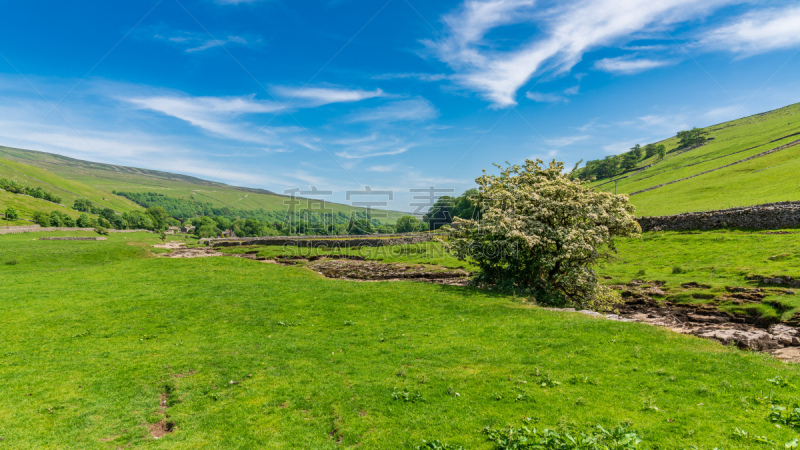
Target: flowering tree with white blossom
<point x="540" y="232"/>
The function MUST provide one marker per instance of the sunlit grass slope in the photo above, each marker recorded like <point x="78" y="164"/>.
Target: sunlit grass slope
<point x="257" y="355"/>
<point x="766" y="179"/>
<point x="108" y="178"/>
<point x="68" y="190"/>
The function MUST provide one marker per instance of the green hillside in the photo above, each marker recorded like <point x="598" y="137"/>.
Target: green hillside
<point x="763" y="179"/>
<point x="108" y="178"/>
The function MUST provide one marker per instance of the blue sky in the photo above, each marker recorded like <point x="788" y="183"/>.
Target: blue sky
<point x="395" y="95"/>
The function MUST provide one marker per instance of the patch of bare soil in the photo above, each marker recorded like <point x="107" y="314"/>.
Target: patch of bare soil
<point x="164" y="426"/>
<point x="181" y="251"/>
<point x="170" y="245"/>
<point x="359" y="270"/>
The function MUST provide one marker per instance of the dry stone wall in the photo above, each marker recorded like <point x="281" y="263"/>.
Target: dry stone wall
<point x="769" y="216"/>
<point x="322" y="241"/>
<point x="37" y="228"/>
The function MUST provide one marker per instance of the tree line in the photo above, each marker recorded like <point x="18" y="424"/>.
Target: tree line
<point x="35" y="192"/>
<point x="614" y="165"/>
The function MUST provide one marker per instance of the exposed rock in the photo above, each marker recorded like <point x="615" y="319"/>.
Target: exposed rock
<point x="695" y="285"/>
<point x="751" y="339"/>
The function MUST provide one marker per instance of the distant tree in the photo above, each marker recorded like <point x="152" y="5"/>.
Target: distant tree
<point x="464" y="206"/>
<point x="441" y="213"/>
<point x="11" y="213"/>
<point x="67" y="221"/>
<point x="692" y="138"/>
<point x="205" y="227"/>
<point x="159" y="216"/>
<point x="636" y="152"/>
<point x="661" y="150"/>
<point x="609" y="166"/>
<point x="408" y="224"/>
<point x="82" y="204"/>
<point x="386" y="229"/>
<point x="359" y="226"/>
<point x="629" y="161"/>
<point x="650" y="150"/>
<point x="84" y="221"/>
<point x="55" y="219"/>
<point x="41" y="218"/>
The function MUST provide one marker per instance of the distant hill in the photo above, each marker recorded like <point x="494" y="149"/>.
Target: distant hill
<point x="750" y="161"/>
<point x="73" y="178"/>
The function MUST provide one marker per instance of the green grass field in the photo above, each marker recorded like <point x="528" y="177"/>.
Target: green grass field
<point x="97" y="334"/>
<point x="718" y="259"/>
<point x="766" y="179"/>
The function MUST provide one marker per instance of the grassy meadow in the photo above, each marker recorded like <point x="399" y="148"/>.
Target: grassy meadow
<point x="98" y="335"/>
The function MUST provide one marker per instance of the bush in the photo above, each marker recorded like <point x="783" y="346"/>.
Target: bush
<point x="43" y="219"/>
<point x="101" y="230"/>
<point x="11" y="213"/>
<point x="541" y="232"/>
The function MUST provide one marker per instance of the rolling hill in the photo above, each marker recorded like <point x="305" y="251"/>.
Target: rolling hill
<point x="749" y="161"/>
<point x="73" y="178"/>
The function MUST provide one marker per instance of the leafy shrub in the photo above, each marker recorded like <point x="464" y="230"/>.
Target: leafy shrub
<point x="523" y="438"/>
<point x="540" y="233"/>
<point x="11" y="213"/>
<point x="101" y="230"/>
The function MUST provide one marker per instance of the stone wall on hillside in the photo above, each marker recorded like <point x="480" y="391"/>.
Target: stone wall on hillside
<point x="72" y="238"/>
<point x="322" y="241"/>
<point x="769" y="216"/>
<point x="37" y="228"/>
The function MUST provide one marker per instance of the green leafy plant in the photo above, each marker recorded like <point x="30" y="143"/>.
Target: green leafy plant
<point x="438" y="445"/>
<point x="598" y="438"/>
<point x="409" y="397"/>
<point x="785" y="416"/>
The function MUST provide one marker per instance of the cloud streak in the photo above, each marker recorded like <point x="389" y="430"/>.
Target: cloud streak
<point x="629" y="66"/>
<point x="757" y="32"/>
<point x="561" y="33"/>
<point x="319" y="96"/>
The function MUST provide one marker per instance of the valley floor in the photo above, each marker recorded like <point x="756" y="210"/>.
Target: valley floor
<point x="105" y="345"/>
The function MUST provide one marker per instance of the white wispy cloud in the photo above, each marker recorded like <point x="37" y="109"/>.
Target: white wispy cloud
<point x="211" y="43"/>
<point x="384" y="169"/>
<point x="566" y="140"/>
<point x="757" y="32"/>
<point x="568" y="30"/>
<point x="412" y="110"/>
<point x="193" y="42"/>
<point x="542" y="97"/>
<point x="319" y="96"/>
<point x="360" y="155"/>
<point x="235" y="2"/>
<point x="412" y="75"/>
<point x="628" y="65"/>
<point x="213" y="114"/>
<point x="371" y="146"/>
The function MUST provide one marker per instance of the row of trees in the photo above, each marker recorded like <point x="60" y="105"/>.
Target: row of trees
<point x="614" y="165"/>
<point x="36" y="192"/>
